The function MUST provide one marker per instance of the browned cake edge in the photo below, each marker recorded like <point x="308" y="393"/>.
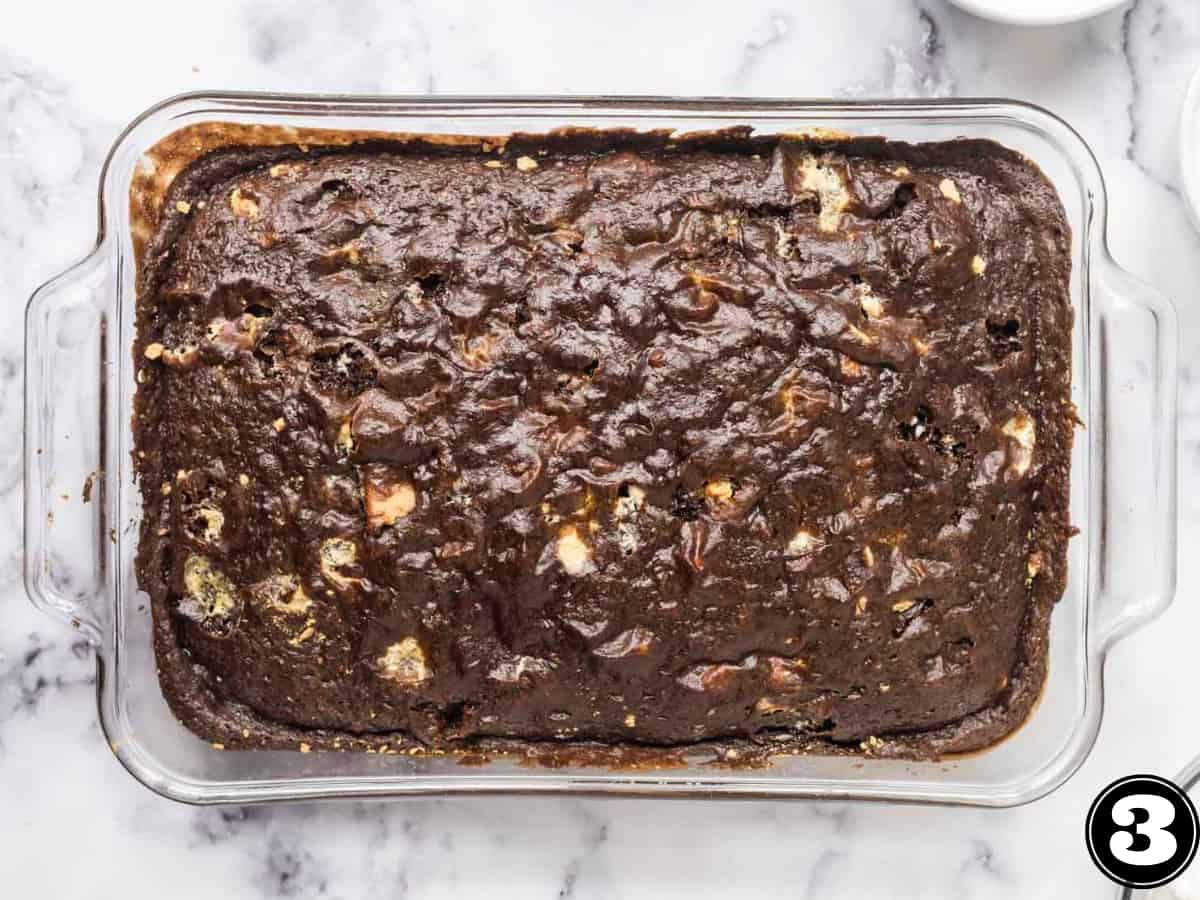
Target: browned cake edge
<point x="182" y="169"/>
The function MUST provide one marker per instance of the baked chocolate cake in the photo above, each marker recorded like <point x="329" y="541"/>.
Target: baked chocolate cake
<point x="605" y="441"/>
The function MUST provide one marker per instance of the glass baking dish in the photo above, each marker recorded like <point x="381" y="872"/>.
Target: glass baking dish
<point x="79" y="388"/>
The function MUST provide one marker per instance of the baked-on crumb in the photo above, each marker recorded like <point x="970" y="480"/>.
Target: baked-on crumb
<point x="594" y="442"/>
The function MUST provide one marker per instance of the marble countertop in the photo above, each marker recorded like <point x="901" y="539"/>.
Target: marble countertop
<point x="74" y="824"/>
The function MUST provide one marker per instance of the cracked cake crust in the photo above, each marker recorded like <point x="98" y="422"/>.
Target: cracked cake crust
<point x="593" y="442"/>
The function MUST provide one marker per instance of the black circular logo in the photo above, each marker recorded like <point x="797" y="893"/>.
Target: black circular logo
<point x="1142" y="831"/>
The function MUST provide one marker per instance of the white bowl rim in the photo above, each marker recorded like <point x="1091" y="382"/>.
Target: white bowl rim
<point x="999" y="11"/>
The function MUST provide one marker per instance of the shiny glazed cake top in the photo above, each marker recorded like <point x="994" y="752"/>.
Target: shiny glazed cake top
<point x="731" y="440"/>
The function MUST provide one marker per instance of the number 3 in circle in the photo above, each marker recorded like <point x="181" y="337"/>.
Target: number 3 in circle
<point x="1142" y="831"/>
<point x="1160" y="845"/>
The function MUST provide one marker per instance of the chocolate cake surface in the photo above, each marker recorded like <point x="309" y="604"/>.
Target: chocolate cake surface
<point x="603" y="442"/>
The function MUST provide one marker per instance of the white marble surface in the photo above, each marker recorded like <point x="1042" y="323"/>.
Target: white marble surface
<point x="73" y="824"/>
